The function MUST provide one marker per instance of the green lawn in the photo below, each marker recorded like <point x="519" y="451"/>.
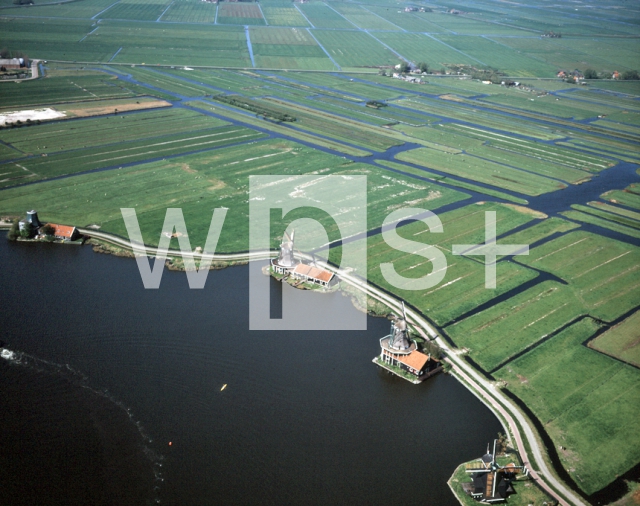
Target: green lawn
<point x="621" y="341"/>
<point x="589" y="404"/>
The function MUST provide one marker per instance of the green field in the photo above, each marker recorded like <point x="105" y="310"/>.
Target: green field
<point x="588" y="403"/>
<point x="621" y="341"/>
<point x="292" y="48"/>
<point x="482" y="171"/>
<point x="191" y="11"/>
<point x="206" y="180"/>
<point x="602" y="272"/>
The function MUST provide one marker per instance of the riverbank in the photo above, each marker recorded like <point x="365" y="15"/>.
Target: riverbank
<point x="520" y="429"/>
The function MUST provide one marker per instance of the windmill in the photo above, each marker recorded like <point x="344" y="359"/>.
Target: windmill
<point x="491" y="481"/>
<point x="400" y="332"/>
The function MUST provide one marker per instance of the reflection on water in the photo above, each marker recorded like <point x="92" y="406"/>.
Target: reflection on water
<point x="111" y="373"/>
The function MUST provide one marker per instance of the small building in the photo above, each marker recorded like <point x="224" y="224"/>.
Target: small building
<point x="11" y="63"/>
<point x="312" y="274"/>
<point x="287" y="265"/>
<point x="64" y="232"/>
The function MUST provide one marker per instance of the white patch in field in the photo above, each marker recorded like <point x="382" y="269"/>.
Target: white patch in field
<point x="32" y="114"/>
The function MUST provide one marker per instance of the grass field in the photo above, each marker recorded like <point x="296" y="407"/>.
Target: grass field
<point x="629" y="197"/>
<point x="283" y="14"/>
<point x="85" y="86"/>
<point x="292" y="48"/>
<point x="463" y="287"/>
<point x="322" y="16"/>
<point x="526" y="318"/>
<point x="240" y="14"/>
<point x="589" y="404"/>
<point x="602" y="272"/>
<point x="191" y="11"/>
<point x="206" y="180"/>
<point x="483" y="171"/>
<point x="621" y="341"/>
<point x="352" y="49"/>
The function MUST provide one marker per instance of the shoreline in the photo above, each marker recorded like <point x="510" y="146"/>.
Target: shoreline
<point x="472" y="379"/>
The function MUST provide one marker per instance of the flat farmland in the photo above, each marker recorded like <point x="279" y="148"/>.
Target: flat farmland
<point x="283" y="14"/>
<point x="525" y="318"/>
<point x="111" y="129"/>
<point x="138" y="10"/>
<point x="405" y="20"/>
<point x="463" y="287"/>
<point x="355" y="49"/>
<point x="496" y="55"/>
<point x="604" y="273"/>
<point x="287" y="48"/>
<point x="547" y="152"/>
<point x="449" y="108"/>
<point x="345" y="88"/>
<point x="176" y="44"/>
<point x="422" y="48"/>
<point x="621" y="341"/>
<point x="53" y="39"/>
<point x="191" y="11"/>
<point x="322" y="16"/>
<point x="588" y="403"/>
<point x="552" y="106"/>
<point x="594" y="218"/>
<point x="85" y="9"/>
<point x="240" y="14"/>
<point x="482" y="171"/>
<point x="198" y="183"/>
<point x="463" y="25"/>
<point x="629" y="197"/>
<point x="85" y="86"/>
<point x="364" y="18"/>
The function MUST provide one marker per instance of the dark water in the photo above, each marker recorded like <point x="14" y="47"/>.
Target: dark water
<point x="106" y="374"/>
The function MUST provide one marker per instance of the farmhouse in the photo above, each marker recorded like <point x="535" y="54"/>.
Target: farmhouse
<point x="287" y="265"/>
<point x="64" y="232"/>
<point x="11" y="63"/>
<point x="61" y="232"/>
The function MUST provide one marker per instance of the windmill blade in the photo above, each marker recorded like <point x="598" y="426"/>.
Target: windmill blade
<point x="404" y="313"/>
<point x="494" y="451"/>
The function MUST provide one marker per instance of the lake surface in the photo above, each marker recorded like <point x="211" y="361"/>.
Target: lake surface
<point x="107" y="374"/>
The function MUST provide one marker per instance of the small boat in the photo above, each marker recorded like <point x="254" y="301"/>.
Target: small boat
<point x="223" y="387"/>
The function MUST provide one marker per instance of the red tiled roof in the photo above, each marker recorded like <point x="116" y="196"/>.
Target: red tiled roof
<point x="415" y="360"/>
<point x="62" y="230"/>
<point x="313" y="272"/>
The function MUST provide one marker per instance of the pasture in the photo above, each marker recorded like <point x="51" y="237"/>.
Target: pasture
<point x="240" y="14"/>
<point x="463" y="287"/>
<point x="621" y="341"/>
<point x="283" y="14"/>
<point x="292" y="48"/>
<point x="203" y="181"/>
<point x="355" y="49"/>
<point x="191" y="11"/>
<point x="480" y="170"/>
<point x="588" y="403"/>
<point x="602" y="272"/>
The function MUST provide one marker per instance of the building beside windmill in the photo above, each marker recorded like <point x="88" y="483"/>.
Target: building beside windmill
<point x="60" y="232"/>
<point x="287" y="265"/>
<point x="491" y="482"/>
<point x="399" y="351"/>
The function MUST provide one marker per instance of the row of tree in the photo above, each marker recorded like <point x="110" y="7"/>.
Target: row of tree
<point x="629" y="75"/>
<point x="28" y="231"/>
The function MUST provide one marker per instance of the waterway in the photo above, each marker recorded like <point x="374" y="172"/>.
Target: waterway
<point x="105" y="375"/>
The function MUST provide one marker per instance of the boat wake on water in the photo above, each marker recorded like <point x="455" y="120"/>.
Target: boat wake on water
<point x="139" y="441"/>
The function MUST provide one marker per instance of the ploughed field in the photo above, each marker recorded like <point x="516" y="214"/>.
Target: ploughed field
<point x="556" y="162"/>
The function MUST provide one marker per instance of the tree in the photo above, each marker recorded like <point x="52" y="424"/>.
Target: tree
<point x="631" y="75"/>
<point x="27" y="231"/>
<point x="14" y="231"/>
<point x="48" y="230"/>
<point x="501" y="446"/>
<point x="590" y="74"/>
<point x="423" y="67"/>
<point x="404" y="68"/>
